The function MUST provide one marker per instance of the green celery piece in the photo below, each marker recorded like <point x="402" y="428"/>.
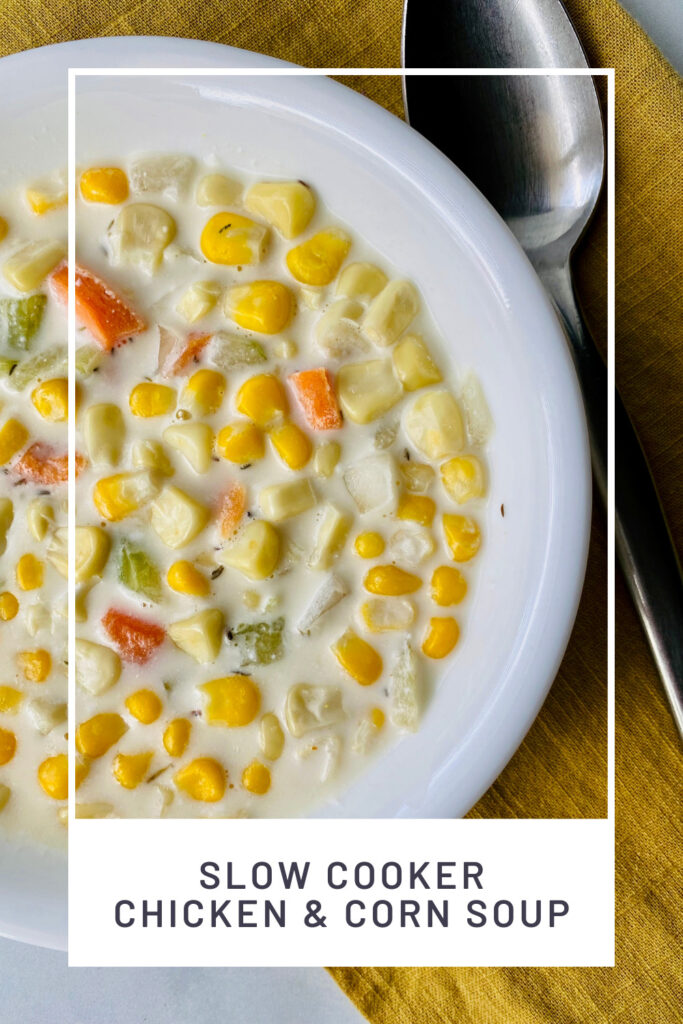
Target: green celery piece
<point x="138" y="572"/>
<point x="229" y="351"/>
<point x="6" y="366"/>
<point x="259" y="643"/>
<point x="43" y="366"/>
<point x="88" y="359"/>
<point x="20" y="320"/>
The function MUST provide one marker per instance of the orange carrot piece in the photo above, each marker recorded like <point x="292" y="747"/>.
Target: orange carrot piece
<point x="106" y="315"/>
<point x="231" y="509"/>
<point x="136" y="639"/>
<point x="176" y="355"/>
<point x="315" y="393"/>
<point x="42" y="465"/>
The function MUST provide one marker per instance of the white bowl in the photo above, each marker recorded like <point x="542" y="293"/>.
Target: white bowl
<point x="412" y="204"/>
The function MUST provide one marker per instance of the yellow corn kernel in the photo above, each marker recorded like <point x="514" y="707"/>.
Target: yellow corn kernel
<point x="233" y="701"/>
<point x="36" y="665"/>
<point x="202" y="779"/>
<point x="95" y="736"/>
<point x="198" y="300"/>
<point x="144" y="705"/>
<point x="317" y="261"/>
<point x="9" y="606"/>
<point x="441" y="637"/>
<point x="262" y="306"/>
<point x="177" y="736"/>
<point x="51" y="399"/>
<point x="8" y="746"/>
<point x="13" y="436"/>
<point x="241" y="443"/>
<point x="463" y="478"/>
<point x="184" y="578"/>
<point x="130" y="769"/>
<point x="255" y="552"/>
<point x="4" y="228"/>
<point x="362" y="281"/>
<point x="5" y="791"/>
<point x="256" y="778"/>
<point x="48" y="194"/>
<point x="326" y="457"/>
<point x="377" y="717"/>
<point x="6" y="520"/>
<point x="204" y="392"/>
<point x="27" y="269"/>
<point x="53" y="776"/>
<point x="147" y="399"/>
<point x="10" y="699"/>
<point x="462" y="536"/>
<point x="449" y="586"/>
<point x="358" y="658"/>
<point x="292" y="445"/>
<point x="262" y="399"/>
<point x="118" y="496"/>
<point x="390" y="581"/>
<point x="104" y="185"/>
<point x="30" y="571"/>
<point x="287" y="205"/>
<point x="369" y="544"/>
<point x="233" y="240"/>
<point x="418" y="508"/>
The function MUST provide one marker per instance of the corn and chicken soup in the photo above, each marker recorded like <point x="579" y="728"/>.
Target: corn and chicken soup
<point x="280" y="480"/>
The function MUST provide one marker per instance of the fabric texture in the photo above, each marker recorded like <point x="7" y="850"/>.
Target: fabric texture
<point x="560" y="769"/>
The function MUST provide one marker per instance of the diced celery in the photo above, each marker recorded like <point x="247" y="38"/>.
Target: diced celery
<point x="138" y="572"/>
<point x="258" y="643"/>
<point x="7" y="366"/>
<point x="52" y="362"/>
<point x="20" y="320"/>
<point x="229" y="351"/>
<point x="88" y="359"/>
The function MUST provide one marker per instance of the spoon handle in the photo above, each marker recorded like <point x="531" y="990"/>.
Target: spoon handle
<point x="644" y="544"/>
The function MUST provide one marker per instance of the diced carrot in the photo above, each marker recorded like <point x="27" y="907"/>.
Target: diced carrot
<point x="232" y="505"/>
<point x="42" y="465"/>
<point x="176" y="354"/>
<point x="315" y="393"/>
<point x="106" y="315"/>
<point x="136" y="639"/>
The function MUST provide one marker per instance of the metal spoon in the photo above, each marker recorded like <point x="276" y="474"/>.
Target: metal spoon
<point x="534" y="145"/>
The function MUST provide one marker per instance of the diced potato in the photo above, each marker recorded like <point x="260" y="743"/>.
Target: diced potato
<point x="200" y="635"/>
<point x="282" y="501"/>
<point x="194" y="441"/>
<point x="198" y="300"/>
<point x="166" y="173"/>
<point x="478" y="419"/>
<point x="6" y="518"/>
<point x="391" y="312"/>
<point x="411" y="545"/>
<point x="405" y="689"/>
<point x="217" y="190"/>
<point x="312" y="707"/>
<point x="434" y="425"/>
<point x="367" y="732"/>
<point x="28" y="267"/>
<point x="97" y="667"/>
<point x="36" y="618"/>
<point x="151" y="455"/>
<point x="118" y="496"/>
<point x="386" y="434"/>
<point x="40" y="517"/>
<point x="104" y="432"/>
<point x="386" y="613"/>
<point x="255" y="552"/>
<point x="333" y="530"/>
<point x="362" y="281"/>
<point x="95" y="810"/>
<point x="57" y="552"/>
<point x="418" y="476"/>
<point x="373" y="483"/>
<point x="271" y="736"/>
<point x="46" y="715"/>
<point x="232" y="240"/>
<point x="325" y="458"/>
<point x="287" y="205"/>
<point x="140" y="234"/>
<point x="463" y="478"/>
<point x="414" y="365"/>
<point x="329" y="594"/>
<point x="338" y="330"/>
<point x="176" y="517"/>
<point x="367" y="390"/>
<point x="92" y="552"/>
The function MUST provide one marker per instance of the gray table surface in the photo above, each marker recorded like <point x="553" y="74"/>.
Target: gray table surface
<point x="37" y="986"/>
